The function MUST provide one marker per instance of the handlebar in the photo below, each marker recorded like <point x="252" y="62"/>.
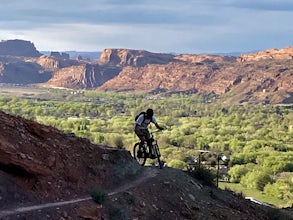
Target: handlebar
<point x="156" y="131"/>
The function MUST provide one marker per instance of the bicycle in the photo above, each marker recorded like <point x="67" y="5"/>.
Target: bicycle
<point x="141" y="151"/>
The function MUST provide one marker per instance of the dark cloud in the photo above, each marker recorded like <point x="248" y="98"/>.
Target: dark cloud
<point x="155" y="25"/>
<point x="107" y="12"/>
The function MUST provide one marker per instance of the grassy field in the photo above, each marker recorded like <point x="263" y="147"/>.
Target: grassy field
<point x="17" y="91"/>
<point x="238" y="188"/>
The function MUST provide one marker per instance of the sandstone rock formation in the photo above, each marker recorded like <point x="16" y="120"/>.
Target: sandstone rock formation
<point x="255" y="78"/>
<point x="126" y="57"/>
<point x="191" y="58"/>
<point x="265" y="76"/>
<point x="58" y="55"/>
<point x="83" y="76"/>
<point x="285" y="53"/>
<point x="22" y="72"/>
<point x="48" y="63"/>
<point x="18" y="48"/>
<point x="54" y="63"/>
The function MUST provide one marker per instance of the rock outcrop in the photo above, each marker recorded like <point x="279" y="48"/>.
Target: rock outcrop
<point x="18" y="48"/>
<point x="255" y="78"/>
<point x="22" y="72"/>
<point x="54" y="63"/>
<point x="58" y="55"/>
<point x="126" y="57"/>
<point x="191" y="58"/>
<point x="83" y="76"/>
<point x="48" y="63"/>
<point x="285" y="53"/>
<point x="171" y="77"/>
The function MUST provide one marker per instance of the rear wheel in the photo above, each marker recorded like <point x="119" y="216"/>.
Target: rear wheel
<point x="139" y="154"/>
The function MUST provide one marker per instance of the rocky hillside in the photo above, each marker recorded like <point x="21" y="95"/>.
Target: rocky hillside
<point x="252" y="78"/>
<point x="46" y="174"/>
<point x="265" y="76"/>
<point x="82" y="76"/>
<point x="285" y="53"/>
<point x="126" y="57"/>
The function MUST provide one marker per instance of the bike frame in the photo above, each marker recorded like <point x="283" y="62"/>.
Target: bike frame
<point x="141" y="151"/>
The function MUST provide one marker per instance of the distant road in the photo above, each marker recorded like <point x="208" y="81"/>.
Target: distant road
<point x="258" y="202"/>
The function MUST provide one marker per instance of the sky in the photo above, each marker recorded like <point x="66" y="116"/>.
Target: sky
<point x="163" y="26"/>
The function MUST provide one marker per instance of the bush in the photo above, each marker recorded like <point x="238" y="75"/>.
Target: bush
<point x="118" y="142"/>
<point x="256" y="180"/>
<point x="98" y="195"/>
<point x="204" y="175"/>
<point x="117" y="213"/>
<point x="236" y="172"/>
<point x="178" y="164"/>
<point x="281" y="189"/>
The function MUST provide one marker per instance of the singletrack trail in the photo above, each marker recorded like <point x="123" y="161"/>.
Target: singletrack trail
<point x="147" y="173"/>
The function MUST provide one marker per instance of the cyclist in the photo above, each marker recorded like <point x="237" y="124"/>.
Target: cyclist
<point x="141" y="126"/>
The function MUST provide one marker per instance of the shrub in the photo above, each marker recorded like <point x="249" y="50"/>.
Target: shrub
<point x="118" y="142"/>
<point x="204" y="175"/>
<point x="236" y="172"/>
<point x="98" y="195"/>
<point x="256" y="180"/>
<point x="178" y="164"/>
<point x="117" y="213"/>
<point x="281" y="189"/>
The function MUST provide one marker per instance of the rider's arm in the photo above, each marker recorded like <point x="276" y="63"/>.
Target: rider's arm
<point x="156" y="124"/>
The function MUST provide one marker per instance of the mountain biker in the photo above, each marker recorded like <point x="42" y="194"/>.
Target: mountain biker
<point x="141" y="126"/>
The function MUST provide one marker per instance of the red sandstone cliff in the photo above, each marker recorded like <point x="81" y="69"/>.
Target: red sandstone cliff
<point x="262" y="76"/>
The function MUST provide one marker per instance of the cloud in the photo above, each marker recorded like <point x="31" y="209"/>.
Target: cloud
<point x="155" y="25"/>
<point x="111" y="12"/>
<point x="264" y="5"/>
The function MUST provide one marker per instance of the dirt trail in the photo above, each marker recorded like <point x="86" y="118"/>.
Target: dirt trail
<point x="147" y="173"/>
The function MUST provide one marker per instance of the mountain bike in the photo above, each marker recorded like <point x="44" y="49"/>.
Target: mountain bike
<point x="141" y="151"/>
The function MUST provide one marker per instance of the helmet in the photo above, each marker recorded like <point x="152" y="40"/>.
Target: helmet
<point x="150" y="112"/>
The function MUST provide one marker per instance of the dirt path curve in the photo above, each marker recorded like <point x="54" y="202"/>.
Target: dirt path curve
<point x="147" y="173"/>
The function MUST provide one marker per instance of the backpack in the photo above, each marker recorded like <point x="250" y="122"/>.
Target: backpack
<point x="136" y="117"/>
<point x="144" y="114"/>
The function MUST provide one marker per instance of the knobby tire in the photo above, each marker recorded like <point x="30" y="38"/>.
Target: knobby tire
<point x="143" y="159"/>
<point x="158" y="155"/>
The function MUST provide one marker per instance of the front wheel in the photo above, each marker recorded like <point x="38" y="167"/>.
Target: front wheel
<point x="139" y="154"/>
<point x="158" y="155"/>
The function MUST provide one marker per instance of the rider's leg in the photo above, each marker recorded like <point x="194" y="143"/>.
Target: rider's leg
<point x="142" y="141"/>
<point x="141" y="136"/>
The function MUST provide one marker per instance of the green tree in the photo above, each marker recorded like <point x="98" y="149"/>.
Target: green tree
<point x="282" y="189"/>
<point x="236" y="172"/>
<point x="256" y="180"/>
